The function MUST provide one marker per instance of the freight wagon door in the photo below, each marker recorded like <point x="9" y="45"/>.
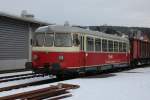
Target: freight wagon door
<point x="131" y="49"/>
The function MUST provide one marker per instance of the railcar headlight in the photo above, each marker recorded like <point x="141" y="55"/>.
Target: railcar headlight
<point x="35" y="57"/>
<point x="61" y="58"/>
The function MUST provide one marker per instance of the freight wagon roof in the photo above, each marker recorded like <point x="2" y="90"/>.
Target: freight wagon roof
<point x="69" y="29"/>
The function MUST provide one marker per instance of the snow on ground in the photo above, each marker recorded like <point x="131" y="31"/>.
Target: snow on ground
<point x="127" y="85"/>
<point x="15" y="73"/>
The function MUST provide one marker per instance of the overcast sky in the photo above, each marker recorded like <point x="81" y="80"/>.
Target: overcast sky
<point x="84" y="12"/>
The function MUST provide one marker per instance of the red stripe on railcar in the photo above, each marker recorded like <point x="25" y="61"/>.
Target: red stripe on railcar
<point x="78" y="59"/>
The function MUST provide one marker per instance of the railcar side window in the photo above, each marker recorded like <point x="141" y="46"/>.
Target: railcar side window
<point x="49" y="39"/>
<point x="39" y="39"/>
<point x="97" y="44"/>
<point x="81" y="42"/>
<point x="90" y="44"/>
<point x="115" y="46"/>
<point x="110" y="46"/>
<point x="76" y="40"/>
<point x="120" y="47"/>
<point x="63" y="40"/>
<point x="124" y="47"/>
<point x="104" y="45"/>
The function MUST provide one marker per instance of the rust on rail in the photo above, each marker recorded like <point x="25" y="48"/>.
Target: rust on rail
<point x="53" y="92"/>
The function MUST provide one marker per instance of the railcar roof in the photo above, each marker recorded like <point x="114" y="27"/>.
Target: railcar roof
<point x="69" y="29"/>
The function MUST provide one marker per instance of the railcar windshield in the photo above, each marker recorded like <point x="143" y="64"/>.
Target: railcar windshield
<point x="38" y="39"/>
<point x="63" y="40"/>
<point x="41" y="39"/>
<point x="49" y="39"/>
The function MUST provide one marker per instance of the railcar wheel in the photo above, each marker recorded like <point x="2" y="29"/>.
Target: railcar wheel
<point x="67" y="75"/>
<point x="134" y="64"/>
<point x="60" y="76"/>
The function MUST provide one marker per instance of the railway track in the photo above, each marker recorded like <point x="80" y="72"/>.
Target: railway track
<point x="19" y="77"/>
<point x="40" y="82"/>
<point x="11" y="75"/>
<point x="49" y="93"/>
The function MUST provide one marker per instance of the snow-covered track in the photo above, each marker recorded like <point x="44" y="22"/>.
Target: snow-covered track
<point x="15" y="74"/>
<point x="52" y="93"/>
<point x="19" y="77"/>
<point x="27" y="84"/>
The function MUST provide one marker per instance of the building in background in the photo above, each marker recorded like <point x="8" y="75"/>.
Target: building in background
<point x="15" y="39"/>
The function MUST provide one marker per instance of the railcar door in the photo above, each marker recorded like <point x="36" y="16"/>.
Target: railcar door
<point x="82" y="50"/>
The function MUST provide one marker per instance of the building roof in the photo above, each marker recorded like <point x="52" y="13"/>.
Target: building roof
<point x="30" y="20"/>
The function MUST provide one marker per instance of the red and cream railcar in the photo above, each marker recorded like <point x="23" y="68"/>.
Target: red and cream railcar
<point x="63" y="48"/>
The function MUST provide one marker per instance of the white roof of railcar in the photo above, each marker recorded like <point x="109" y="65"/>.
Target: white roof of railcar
<point x="70" y="29"/>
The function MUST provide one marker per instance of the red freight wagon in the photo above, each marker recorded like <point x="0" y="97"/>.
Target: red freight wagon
<point x="140" y="51"/>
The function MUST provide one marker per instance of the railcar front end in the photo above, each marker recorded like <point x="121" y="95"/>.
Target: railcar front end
<point x="53" y="53"/>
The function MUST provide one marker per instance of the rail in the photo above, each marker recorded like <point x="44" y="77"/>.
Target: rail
<point x="53" y="92"/>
